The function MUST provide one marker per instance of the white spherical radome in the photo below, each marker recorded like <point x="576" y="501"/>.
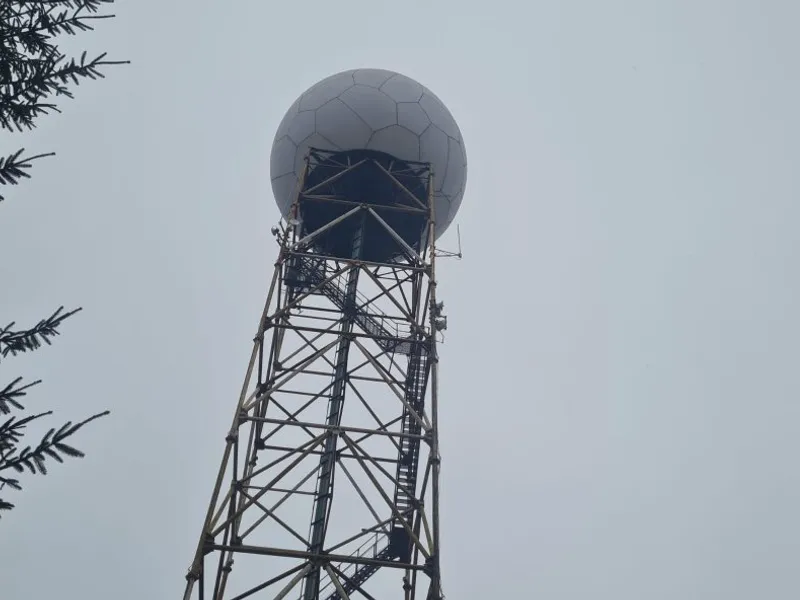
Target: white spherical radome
<point x="372" y="109"/>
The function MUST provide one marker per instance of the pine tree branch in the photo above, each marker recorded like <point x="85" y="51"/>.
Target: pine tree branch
<point x="11" y="433"/>
<point x="60" y="24"/>
<point x="52" y="445"/>
<point x="12" y="167"/>
<point x="33" y="460"/>
<point x="16" y="342"/>
<point x="21" y="98"/>
<point x="27" y="30"/>
<point x="10" y="395"/>
<point x="34" y="72"/>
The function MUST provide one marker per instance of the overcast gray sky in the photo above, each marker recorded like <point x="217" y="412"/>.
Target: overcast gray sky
<point x="619" y="381"/>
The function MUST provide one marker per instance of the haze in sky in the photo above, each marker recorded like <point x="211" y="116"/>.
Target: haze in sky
<point x="619" y="415"/>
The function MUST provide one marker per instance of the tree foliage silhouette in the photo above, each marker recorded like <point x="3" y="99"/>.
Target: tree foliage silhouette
<point x="34" y="73"/>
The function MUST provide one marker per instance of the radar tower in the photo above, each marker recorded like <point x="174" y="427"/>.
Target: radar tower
<point x="329" y="482"/>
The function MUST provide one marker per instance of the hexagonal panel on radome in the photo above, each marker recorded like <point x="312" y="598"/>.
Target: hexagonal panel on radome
<point x="439" y="115"/>
<point x="282" y="157"/>
<point x="397" y="141"/>
<point x="455" y="201"/>
<point x="372" y="77"/>
<point x="442" y="209"/>
<point x="325" y="91"/>
<point x="300" y="159"/>
<point x="433" y="146"/>
<point x="455" y="169"/>
<point x="315" y="140"/>
<point x="283" y="126"/>
<point x="301" y="126"/>
<point x="375" y="107"/>
<point x="411" y="116"/>
<point x="284" y="188"/>
<point x="402" y="89"/>
<point x="340" y="124"/>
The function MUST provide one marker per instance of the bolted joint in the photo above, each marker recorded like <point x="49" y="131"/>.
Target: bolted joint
<point x="208" y="544"/>
<point x="430" y="566"/>
<point x="319" y="561"/>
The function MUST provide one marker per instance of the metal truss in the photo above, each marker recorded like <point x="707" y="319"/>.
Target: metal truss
<point x="329" y="483"/>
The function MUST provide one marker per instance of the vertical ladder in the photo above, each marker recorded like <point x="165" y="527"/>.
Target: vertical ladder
<point x="408" y="459"/>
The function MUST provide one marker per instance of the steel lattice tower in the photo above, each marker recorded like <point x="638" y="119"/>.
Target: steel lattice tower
<point x="329" y="483"/>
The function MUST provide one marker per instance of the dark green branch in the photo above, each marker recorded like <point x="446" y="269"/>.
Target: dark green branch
<point x="16" y="342"/>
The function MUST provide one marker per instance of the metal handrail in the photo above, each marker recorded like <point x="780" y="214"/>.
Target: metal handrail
<point x="371" y="543"/>
<point x="375" y="321"/>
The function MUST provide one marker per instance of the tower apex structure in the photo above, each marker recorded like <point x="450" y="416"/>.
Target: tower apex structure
<point x="378" y="114"/>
